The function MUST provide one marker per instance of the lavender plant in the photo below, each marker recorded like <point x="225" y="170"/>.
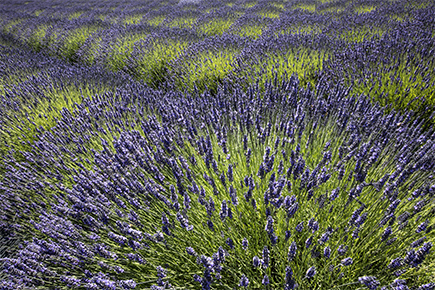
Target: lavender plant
<point x="282" y="188"/>
<point x="194" y="153"/>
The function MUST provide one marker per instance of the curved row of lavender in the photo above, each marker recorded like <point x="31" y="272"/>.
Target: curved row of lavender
<point x="282" y="187"/>
<point x="383" y="49"/>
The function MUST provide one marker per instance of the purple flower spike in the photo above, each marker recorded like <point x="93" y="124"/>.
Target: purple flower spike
<point x="327" y="252"/>
<point x="292" y="251"/>
<point x="256" y="261"/>
<point x="347" y="262"/>
<point x="311" y="272"/>
<point x="244" y="282"/>
<point x="191" y="251"/>
<point x="265" y="280"/>
<point x="429" y="286"/>
<point x="245" y="244"/>
<point x="369" y="281"/>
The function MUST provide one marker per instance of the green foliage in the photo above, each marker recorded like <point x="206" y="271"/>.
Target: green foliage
<point x="404" y="87"/>
<point x="250" y="4"/>
<point x="306" y="7"/>
<point x="39" y="40"/>
<point x="183" y="22"/>
<point x="205" y="70"/>
<point x="11" y="27"/>
<point x="39" y="113"/>
<point x="75" y="15"/>
<point x="215" y="27"/>
<point x="151" y="63"/>
<point x="306" y="64"/>
<point x="251" y="31"/>
<point x="74" y="40"/>
<point x="364" y="9"/>
<point x="133" y="19"/>
<point x="269" y="13"/>
<point x="361" y="34"/>
<point x="301" y="29"/>
<point x="156" y="21"/>
<point x="122" y="50"/>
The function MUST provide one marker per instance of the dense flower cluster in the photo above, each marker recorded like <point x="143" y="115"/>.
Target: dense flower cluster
<point x="264" y="170"/>
<point x="130" y="196"/>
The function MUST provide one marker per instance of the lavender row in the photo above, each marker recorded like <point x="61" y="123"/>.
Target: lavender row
<point x="383" y="50"/>
<point x="280" y="187"/>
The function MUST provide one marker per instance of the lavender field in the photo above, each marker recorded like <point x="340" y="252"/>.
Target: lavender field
<point x="222" y="144"/>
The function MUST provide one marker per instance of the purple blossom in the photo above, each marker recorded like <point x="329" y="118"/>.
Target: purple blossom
<point x="191" y="251"/>
<point x="422" y="227"/>
<point x="287" y="235"/>
<point x="342" y="249"/>
<point x="244" y="282"/>
<point x="269" y="225"/>
<point x="300" y="227"/>
<point x="265" y="280"/>
<point x="256" y="261"/>
<point x="308" y="242"/>
<point x="292" y="251"/>
<point x="327" y="252"/>
<point x="230" y="173"/>
<point x="245" y="244"/>
<point x="369" y="281"/>
<point x="265" y="260"/>
<point x="386" y="233"/>
<point x="347" y="261"/>
<point x="310" y="272"/>
<point x="230" y="243"/>
<point x="233" y="195"/>
<point x="184" y="222"/>
<point x="429" y="286"/>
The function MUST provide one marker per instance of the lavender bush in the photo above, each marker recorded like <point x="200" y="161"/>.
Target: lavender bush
<point x="308" y="191"/>
<point x="163" y="146"/>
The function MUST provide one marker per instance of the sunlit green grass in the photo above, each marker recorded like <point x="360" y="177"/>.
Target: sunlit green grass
<point x="205" y="70"/>
<point x="38" y="38"/>
<point x="301" y="29"/>
<point x="250" y="4"/>
<point x="398" y="18"/>
<point x="38" y="12"/>
<point x="269" y="14"/>
<point x="133" y="19"/>
<point x="215" y="27"/>
<point x="75" y="15"/>
<point x="183" y="22"/>
<point x="122" y="50"/>
<point x="362" y="34"/>
<point x="399" y="87"/>
<point x="11" y="27"/>
<point x="152" y="63"/>
<point x="326" y="1"/>
<point x="278" y="5"/>
<point x="306" y="64"/>
<point x="306" y="7"/>
<point x="364" y="9"/>
<point x="40" y="113"/>
<point x="418" y="4"/>
<point x="252" y="31"/>
<point x="74" y="40"/>
<point x="156" y="21"/>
